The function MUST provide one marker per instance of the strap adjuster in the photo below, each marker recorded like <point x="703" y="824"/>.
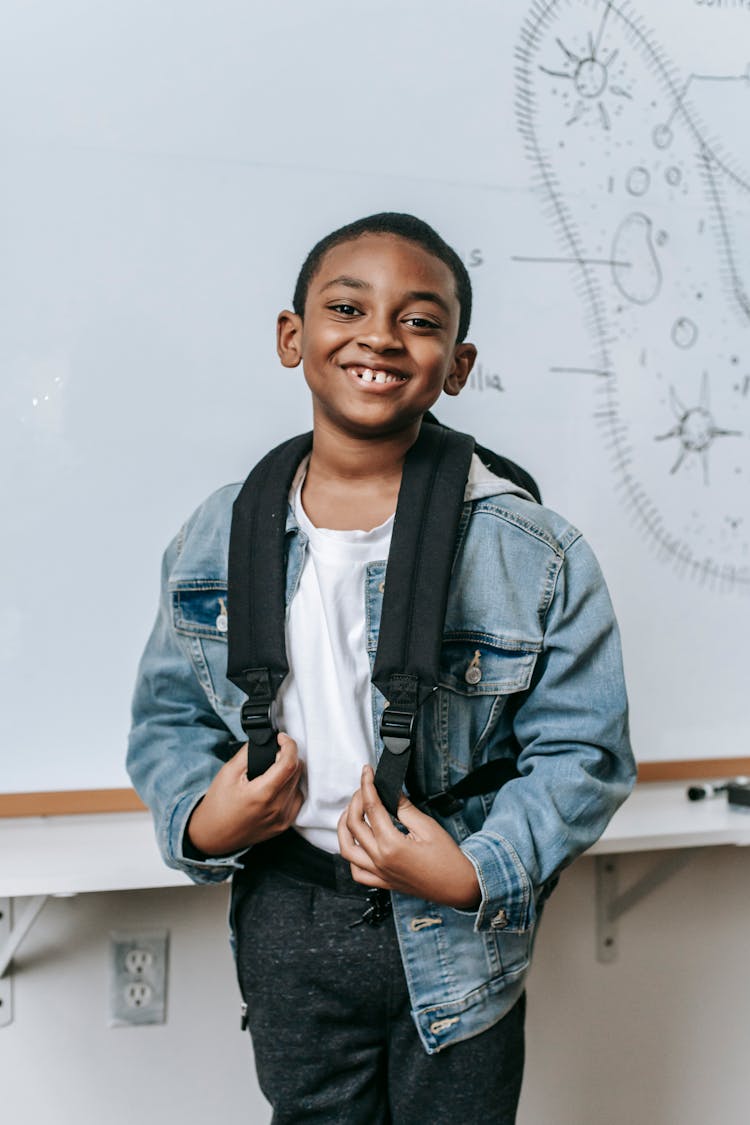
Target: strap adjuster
<point x="397" y="729"/>
<point x="257" y="722"/>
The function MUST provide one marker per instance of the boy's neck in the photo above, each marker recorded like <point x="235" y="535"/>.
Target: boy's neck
<point x="352" y="483"/>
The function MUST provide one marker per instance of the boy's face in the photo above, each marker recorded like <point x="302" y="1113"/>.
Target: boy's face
<point x="377" y="342"/>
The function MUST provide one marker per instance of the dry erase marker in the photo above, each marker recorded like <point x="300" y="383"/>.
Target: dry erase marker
<point x="738" y="794"/>
<point x="701" y="792"/>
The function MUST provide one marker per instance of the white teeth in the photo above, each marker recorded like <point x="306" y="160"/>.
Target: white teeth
<point x="371" y="375"/>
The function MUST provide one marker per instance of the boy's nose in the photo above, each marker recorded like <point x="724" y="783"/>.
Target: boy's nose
<point x="380" y="335"/>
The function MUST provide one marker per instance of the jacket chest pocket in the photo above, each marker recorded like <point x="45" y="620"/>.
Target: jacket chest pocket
<point x="199" y="615"/>
<point x="478" y="680"/>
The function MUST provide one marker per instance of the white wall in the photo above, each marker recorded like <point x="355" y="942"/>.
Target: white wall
<point x="62" y="1065"/>
<point x="660" y="1037"/>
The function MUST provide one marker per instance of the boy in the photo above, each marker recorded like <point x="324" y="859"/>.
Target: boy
<point x="418" y="1017"/>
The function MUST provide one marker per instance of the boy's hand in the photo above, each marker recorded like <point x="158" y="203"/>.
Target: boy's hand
<point x="427" y="862"/>
<point x="236" y="813"/>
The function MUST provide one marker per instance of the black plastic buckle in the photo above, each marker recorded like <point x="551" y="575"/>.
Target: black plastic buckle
<point x="261" y="736"/>
<point x="256" y="722"/>
<point x="377" y="910"/>
<point x="397" y="729"/>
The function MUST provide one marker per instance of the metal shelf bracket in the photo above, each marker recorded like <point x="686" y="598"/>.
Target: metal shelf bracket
<point x="11" y="935"/>
<point x="611" y="905"/>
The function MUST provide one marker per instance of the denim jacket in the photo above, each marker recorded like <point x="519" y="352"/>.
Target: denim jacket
<point x="527" y="595"/>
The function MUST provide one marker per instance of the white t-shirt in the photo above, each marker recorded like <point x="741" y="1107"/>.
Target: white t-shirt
<point x="325" y="703"/>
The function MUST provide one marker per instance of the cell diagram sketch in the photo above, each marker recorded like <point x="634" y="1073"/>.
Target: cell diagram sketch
<point x="652" y="216"/>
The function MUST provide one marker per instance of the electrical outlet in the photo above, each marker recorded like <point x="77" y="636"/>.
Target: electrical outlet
<point x="138" y="961"/>
<point x="138" y="978"/>
<point x="138" y="994"/>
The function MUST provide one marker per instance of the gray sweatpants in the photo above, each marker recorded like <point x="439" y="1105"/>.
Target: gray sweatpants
<point x="328" y="1012"/>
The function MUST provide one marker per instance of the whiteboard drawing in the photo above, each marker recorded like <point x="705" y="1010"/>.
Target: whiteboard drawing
<point x="652" y="221"/>
<point x="635" y="265"/>
<point x="590" y="75"/>
<point x="696" y="428"/>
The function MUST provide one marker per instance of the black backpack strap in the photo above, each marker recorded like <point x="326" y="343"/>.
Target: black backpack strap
<point x="416" y="592"/>
<point x="500" y="466"/>
<point x="256" y="659"/>
<point x="407" y="662"/>
<point x="484" y="779"/>
<point x="504" y="467"/>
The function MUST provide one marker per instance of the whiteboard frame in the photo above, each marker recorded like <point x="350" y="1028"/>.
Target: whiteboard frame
<point x="73" y="802"/>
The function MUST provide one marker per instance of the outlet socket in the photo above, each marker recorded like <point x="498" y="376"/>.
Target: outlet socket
<point x="138" y="978"/>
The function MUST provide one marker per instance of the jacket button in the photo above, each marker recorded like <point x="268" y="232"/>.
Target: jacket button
<point x="473" y="674"/>
<point x="500" y="921"/>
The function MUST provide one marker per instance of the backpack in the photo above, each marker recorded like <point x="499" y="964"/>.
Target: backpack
<point x="406" y="670"/>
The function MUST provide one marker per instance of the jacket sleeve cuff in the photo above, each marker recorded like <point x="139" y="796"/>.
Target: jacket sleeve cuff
<point x="507" y="902"/>
<point x="178" y="853"/>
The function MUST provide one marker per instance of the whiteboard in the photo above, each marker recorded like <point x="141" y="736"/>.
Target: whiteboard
<point x="167" y="166"/>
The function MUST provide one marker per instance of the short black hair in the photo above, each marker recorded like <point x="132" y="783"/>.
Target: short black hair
<point x="403" y="226"/>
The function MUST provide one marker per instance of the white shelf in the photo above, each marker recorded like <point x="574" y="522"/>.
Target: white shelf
<point x="62" y="855"/>
<point x="658" y="815"/>
<point x="117" y="851"/>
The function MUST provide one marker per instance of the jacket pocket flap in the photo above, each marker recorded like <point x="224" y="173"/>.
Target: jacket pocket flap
<point x="200" y="609"/>
<point x="474" y="668"/>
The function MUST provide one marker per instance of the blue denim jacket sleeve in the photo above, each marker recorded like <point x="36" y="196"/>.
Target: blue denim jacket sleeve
<point x="177" y="741"/>
<point x="575" y="761"/>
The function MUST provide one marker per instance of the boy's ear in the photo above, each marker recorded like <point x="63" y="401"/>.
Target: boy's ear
<point x="463" y="361"/>
<point x="289" y="338"/>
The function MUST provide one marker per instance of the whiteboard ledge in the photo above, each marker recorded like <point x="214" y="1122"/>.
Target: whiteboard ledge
<point x="75" y="801"/>
<point x="70" y="802"/>
<point x="689" y="769"/>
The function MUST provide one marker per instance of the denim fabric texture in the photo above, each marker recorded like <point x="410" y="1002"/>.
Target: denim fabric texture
<point x="529" y="609"/>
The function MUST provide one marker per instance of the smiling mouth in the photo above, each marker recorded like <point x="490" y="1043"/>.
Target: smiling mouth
<point x="376" y="375"/>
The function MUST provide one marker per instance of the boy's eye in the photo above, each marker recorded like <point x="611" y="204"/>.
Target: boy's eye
<point x="421" y="322"/>
<point x="344" y="309"/>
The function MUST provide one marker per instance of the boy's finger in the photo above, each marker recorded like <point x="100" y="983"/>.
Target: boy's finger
<point x="359" y="829"/>
<point x="413" y="818"/>
<point x="289" y="785"/>
<point x="352" y="851"/>
<point x="281" y="771"/>
<point x="237" y="764"/>
<point x="368" y="878"/>
<point x="294" y="804"/>
<point x="289" y="782"/>
<point x="287" y="751"/>
<point x="377" y="814"/>
<point x="349" y="828"/>
<point x="293" y="785"/>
